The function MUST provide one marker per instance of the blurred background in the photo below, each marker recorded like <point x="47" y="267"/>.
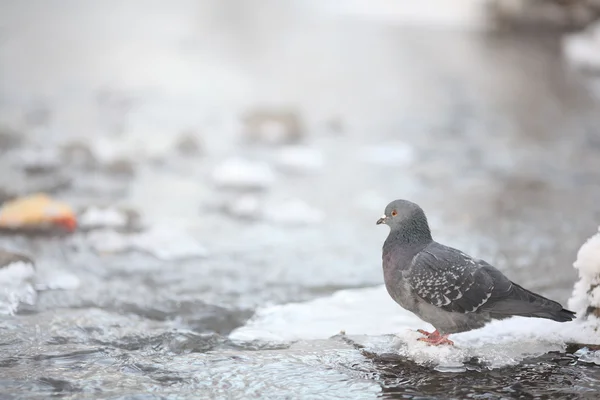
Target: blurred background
<point x="221" y="156"/>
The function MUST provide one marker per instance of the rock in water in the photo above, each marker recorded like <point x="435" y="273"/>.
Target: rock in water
<point x="16" y="275"/>
<point x="447" y="288"/>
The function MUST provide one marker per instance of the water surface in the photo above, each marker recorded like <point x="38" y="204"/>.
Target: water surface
<point x="491" y="134"/>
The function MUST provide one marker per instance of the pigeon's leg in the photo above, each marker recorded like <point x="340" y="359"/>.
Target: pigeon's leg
<point x="436" y="338"/>
<point x="422" y="332"/>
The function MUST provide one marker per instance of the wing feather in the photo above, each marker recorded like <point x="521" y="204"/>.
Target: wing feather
<point x="451" y="280"/>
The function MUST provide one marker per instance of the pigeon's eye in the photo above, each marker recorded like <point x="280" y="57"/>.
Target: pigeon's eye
<point x="394" y="213"/>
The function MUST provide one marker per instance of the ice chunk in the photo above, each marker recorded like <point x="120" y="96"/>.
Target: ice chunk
<point x="292" y="212"/>
<point x="588" y="356"/>
<point x="244" y="206"/>
<point x="95" y="217"/>
<point x="243" y="174"/>
<point x="300" y="158"/>
<point x="55" y="278"/>
<point x="393" y="154"/>
<point x="16" y="286"/>
<point x="168" y="244"/>
<point x="586" y="292"/>
<point x="162" y="242"/>
<point x="108" y="241"/>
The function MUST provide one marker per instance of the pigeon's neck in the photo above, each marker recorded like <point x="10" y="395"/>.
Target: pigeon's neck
<point x="408" y="235"/>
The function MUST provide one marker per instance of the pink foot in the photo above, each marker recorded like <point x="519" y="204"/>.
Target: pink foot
<point x="434" y="338"/>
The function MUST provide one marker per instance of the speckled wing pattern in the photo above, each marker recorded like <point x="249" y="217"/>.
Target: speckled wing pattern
<point x="449" y="279"/>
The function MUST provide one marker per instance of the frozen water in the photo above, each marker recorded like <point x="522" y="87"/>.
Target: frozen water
<point x="168" y="244"/>
<point x="162" y="242"/>
<point x="582" y="49"/>
<point x="292" y="212"/>
<point x="16" y="286"/>
<point x="588" y="356"/>
<point x="586" y="292"/>
<point x="107" y="241"/>
<point x="102" y="217"/>
<point x="367" y="314"/>
<point x="243" y="174"/>
<point x="300" y="158"/>
<point x="244" y="206"/>
<point x="50" y="276"/>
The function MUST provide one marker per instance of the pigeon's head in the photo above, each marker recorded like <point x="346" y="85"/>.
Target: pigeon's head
<point x="402" y="213"/>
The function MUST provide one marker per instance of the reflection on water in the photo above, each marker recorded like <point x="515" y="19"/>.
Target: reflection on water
<point x="490" y="133"/>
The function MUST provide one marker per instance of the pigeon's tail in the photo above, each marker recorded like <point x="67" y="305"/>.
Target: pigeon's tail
<point x="524" y="303"/>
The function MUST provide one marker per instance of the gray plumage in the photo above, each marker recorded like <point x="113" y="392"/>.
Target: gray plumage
<point x="451" y="290"/>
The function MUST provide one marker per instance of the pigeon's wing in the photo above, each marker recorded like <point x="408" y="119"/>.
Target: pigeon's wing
<point x="455" y="282"/>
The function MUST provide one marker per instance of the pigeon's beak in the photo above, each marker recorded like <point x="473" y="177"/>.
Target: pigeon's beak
<point x="382" y="220"/>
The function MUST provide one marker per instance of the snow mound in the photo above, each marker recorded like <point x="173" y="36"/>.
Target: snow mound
<point x="585" y="300"/>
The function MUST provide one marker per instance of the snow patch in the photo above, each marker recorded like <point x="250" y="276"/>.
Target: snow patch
<point x="586" y="292"/>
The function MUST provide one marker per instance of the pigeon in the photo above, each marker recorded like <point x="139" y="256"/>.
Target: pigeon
<point x="447" y="288"/>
